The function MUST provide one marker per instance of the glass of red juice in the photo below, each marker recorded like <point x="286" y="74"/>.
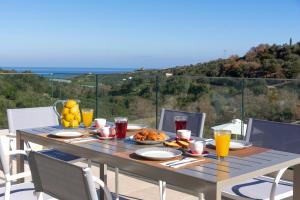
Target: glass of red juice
<point x="180" y="122"/>
<point x="121" y="127"/>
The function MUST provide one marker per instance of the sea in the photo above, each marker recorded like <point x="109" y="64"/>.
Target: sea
<point x="67" y="72"/>
<point x="72" y="70"/>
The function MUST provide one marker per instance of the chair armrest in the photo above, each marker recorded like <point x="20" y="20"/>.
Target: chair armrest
<point x="101" y="184"/>
<point x="18" y="176"/>
<point x="10" y="135"/>
<point x="14" y="152"/>
<point x="276" y="182"/>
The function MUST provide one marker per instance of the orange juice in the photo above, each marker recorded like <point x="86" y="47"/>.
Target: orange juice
<point x="222" y="140"/>
<point x="87" y="117"/>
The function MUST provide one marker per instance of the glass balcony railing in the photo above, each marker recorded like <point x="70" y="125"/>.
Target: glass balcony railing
<point x="140" y="97"/>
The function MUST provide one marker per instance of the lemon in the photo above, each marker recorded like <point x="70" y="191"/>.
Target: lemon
<point x="65" y="123"/>
<point x="74" y="109"/>
<point x="65" y="111"/>
<point x="74" y="123"/>
<point x="78" y="117"/>
<point x="69" y="117"/>
<point x="70" y="103"/>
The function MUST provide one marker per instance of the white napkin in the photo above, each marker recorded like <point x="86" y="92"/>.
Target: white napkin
<point x="180" y="162"/>
<point x="78" y="140"/>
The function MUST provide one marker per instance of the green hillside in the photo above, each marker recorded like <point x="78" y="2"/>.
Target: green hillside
<point x="203" y="87"/>
<point x="263" y="61"/>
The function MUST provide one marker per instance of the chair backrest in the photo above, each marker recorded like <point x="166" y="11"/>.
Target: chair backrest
<point x="4" y="154"/>
<point x="195" y="121"/>
<point x="274" y="135"/>
<point x="23" y="118"/>
<point x="60" y="179"/>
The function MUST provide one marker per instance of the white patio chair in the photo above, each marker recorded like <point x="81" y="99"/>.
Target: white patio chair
<point x="273" y="135"/>
<point x="195" y="123"/>
<point x="16" y="191"/>
<point x="24" y="118"/>
<point x="63" y="180"/>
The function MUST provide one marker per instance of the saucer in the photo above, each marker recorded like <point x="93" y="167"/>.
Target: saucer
<point x="190" y="140"/>
<point x="189" y="153"/>
<point x="105" y="138"/>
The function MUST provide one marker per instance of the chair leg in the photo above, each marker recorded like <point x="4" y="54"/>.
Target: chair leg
<point x="201" y="196"/>
<point x="117" y="183"/>
<point x="162" y="190"/>
<point x="39" y="195"/>
<point x="89" y="163"/>
<point x="7" y="190"/>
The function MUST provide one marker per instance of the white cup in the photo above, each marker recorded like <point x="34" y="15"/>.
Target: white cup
<point x="105" y="131"/>
<point x="184" y="134"/>
<point x="100" y="122"/>
<point x="197" y="147"/>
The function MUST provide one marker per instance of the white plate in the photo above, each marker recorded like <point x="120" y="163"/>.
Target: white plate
<point x="147" y="141"/>
<point x="67" y="134"/>
<point x="158" y="153"/>
<point x="234" y="144"/>
<point x="135" y="126"/>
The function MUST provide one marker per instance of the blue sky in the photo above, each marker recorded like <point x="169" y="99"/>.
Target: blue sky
<point x="134" y="33"/>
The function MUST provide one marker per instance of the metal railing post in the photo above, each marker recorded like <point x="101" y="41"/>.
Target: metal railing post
<point x="243" y="108"/>
<point x="97" y="96"/>
<point x="156" y="101"/>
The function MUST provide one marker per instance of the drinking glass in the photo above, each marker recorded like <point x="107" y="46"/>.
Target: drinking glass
<point x="87" y="117"/>
<point x="121" y="127"/>
<point x="222" y="142"/>
<point x="180" y="122"/>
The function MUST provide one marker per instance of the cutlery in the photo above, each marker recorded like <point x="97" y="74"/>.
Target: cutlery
<point x="176" y="161"/>
<point x="181" y="163"/>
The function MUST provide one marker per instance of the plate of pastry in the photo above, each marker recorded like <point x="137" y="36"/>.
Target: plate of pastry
<point x="149" y="136"/>
<point x="178" y="143"/>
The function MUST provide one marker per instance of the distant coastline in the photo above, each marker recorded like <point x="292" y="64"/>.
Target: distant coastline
<point x="71" y="70"/>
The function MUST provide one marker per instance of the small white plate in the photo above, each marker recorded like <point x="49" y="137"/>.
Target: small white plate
<point x="67" y="134"/>
<point x="136" y="126"/>
<point x="234" y="144"/>
<point x="106" y="138"/>
<point x="158" y="153"/>
<point x="189" y="153"/>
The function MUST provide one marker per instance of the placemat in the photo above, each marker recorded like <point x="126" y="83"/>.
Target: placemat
<point x="242" y="152"/>
<point x="157" y="163"/>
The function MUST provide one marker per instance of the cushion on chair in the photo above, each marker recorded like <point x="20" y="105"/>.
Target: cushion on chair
<point x="22" y="191"/>
<point x="258" y="188"/>
<point x="59" y="155"/>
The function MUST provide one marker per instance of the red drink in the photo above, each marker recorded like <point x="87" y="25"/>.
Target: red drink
<point x="180" y="125"/>
<point x="180" y="122"/>
<point x="121" y="127"/>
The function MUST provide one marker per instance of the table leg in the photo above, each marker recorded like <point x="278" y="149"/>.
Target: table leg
<point x="20" y="158"/>
<point x="296" y="187"/>
<point x="103" y="177"/>
<point x="213" y="194"/>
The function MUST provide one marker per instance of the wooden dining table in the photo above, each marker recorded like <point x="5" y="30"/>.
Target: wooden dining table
<point x="208" y="176"/>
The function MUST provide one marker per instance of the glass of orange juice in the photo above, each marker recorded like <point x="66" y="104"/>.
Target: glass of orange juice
<point x="87" y="117"/>
<point x="222" y="142"/>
